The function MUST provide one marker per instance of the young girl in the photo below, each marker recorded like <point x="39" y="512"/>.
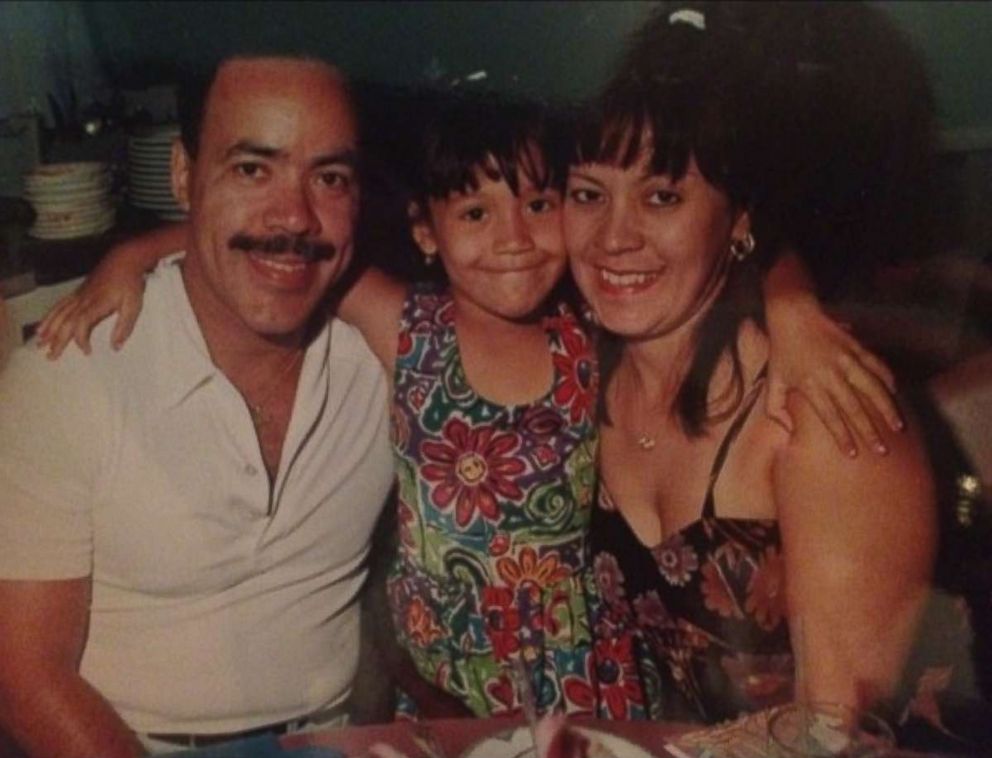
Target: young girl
<point x="494" y="436"/>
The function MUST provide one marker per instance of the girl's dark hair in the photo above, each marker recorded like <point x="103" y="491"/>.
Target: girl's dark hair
<point x="504" y="138"/>
<point x="737" y="96"/>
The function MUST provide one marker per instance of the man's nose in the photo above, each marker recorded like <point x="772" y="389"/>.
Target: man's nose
<point x="292" y="211"/>
<point x="513" y="233"/>
<point x="620" y="231"/>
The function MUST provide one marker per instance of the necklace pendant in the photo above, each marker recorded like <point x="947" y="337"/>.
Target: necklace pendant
<point x="645" y="443"/>
<point x="258" y="416"/>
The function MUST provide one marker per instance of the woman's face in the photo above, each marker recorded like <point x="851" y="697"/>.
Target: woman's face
<point x="648" y="253"/>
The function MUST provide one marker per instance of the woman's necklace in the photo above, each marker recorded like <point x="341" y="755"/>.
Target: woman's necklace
<point x="645" y="441"/>
<point x="260" y="415"/>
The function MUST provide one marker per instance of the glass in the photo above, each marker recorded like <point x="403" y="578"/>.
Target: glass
<point x="827" y="730"/>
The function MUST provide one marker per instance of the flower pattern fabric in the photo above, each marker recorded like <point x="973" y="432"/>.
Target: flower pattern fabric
<point x="494" y="509"/>
<point x="706" y="608"/>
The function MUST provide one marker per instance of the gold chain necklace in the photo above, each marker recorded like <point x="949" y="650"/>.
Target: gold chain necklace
<point x="645" y="442"/>
<point x="260" y="416"/>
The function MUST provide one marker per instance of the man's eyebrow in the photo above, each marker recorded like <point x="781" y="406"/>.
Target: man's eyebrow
<point x="253" y="148"/>
<point x="347" y="157"/>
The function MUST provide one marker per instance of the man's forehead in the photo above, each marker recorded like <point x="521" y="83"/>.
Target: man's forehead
<point x="239" y="78"/>
<point x="247" y="67"/>
<point x="280" y="95"/>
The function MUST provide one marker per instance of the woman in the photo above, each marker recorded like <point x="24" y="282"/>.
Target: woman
<point x="707" y="505"/>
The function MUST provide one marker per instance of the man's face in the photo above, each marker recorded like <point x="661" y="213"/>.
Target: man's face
<point x="272" y="196"/>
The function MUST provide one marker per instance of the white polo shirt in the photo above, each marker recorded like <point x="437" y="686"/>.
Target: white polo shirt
<point x="213" y="608"/>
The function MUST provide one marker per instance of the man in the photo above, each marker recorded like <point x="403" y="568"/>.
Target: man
<point x="184" y="523"/>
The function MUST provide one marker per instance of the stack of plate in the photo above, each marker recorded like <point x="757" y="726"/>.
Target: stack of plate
<point x="71" y="200"/>
<point x="148" y="179"/>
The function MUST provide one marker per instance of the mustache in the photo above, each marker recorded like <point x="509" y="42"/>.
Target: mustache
<point x="306" y="247"/>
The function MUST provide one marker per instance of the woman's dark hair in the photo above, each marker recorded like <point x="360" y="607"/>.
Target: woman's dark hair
<point x="691" y="92"/>
<point x="733" y="86"/>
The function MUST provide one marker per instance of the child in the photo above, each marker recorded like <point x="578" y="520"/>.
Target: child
<point x="493" y="429"/>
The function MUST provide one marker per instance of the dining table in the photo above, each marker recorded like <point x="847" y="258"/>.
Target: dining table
<point x="455" y="737"/>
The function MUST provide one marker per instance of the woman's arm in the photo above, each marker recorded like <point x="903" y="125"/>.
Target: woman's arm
<point x="857" y="576"/>
<point x="116" y="285"/>
<point x="814" y="355"/>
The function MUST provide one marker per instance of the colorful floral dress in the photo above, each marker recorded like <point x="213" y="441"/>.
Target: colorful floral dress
<point x="494" y="507"/>
<point x="707" y="607"/>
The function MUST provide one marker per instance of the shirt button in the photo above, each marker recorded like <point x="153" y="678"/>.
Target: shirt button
<point x="250" y="470"/>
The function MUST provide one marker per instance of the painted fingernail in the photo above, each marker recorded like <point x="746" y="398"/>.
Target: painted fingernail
<point x="852" y="452"/>
<point x="880" y="448"/>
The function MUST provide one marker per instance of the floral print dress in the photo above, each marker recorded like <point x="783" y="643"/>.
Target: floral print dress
<point x="494" y="507"/>
<point x="706" y="606"/>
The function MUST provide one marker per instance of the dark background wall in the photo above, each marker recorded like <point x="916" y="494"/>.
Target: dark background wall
<point x="558" y="49"/>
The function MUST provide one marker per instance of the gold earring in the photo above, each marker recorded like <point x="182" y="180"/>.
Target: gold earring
<point x="740" y="249"/>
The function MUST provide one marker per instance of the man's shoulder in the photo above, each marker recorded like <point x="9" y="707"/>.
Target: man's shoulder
<point x="347" y="343"/>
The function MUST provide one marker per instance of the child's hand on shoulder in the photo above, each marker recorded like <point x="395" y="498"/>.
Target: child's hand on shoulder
<point x="115" y="286"/>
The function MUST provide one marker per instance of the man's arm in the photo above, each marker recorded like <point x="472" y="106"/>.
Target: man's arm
<point x="46" y="707"/>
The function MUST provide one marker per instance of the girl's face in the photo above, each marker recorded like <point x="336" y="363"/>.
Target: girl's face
<point x="503" y="253"/>
<point x="648" y="253"/>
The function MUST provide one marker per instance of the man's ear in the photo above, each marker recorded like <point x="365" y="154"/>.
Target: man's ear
<point x="181" y="166"/>
<point x="421" y="229"/>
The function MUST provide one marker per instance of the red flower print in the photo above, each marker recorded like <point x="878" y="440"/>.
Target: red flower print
<point x="676" y="560"/>
<point x="545" y="456"/>
<point x="421" y="624"/>
<point x="502" y="621"/>
<point x="576" y="366"/>
<point x="405" y="344"/>
<point x="499" y="544"/>
<point x="528" y="570"/>
<point x="614" y="675"/>
<point x="716" y="592"/>
<point x="417" y="396"/>
<point x="766" y="590"/>
<point x="691" y="636"/>
<point x="405" y="519"/>
<point x="501" y="690"/>
<point x="445" y="314"/>
<point x="399" y="427"/>
<point x="541" y="422"/>
<point x="651" y="612"/>
<point x="609" y="578"/>
<point x="470" y="468"/>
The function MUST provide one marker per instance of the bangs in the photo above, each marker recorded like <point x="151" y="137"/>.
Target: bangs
<point x="495" y="139"/>
<point x="665" y="119"/>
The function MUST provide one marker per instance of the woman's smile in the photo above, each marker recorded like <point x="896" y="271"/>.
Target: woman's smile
<point x="626" y="282"/>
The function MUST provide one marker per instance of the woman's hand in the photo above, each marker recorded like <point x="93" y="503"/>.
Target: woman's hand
<point x="815" y="355"/>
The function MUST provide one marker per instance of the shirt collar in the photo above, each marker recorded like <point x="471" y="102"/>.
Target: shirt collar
<point x="186" y="363"/>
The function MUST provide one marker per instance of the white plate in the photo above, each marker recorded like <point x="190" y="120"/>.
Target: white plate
<point x="142" y="166"/>
<point x="71" y="233"/>
<point x="517" y="743"/>
<point x="154" y="205"/>
<point x="66" y="172"/>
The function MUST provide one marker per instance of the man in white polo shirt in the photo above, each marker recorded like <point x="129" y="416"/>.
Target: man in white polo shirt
<point x="184" y="523"/>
